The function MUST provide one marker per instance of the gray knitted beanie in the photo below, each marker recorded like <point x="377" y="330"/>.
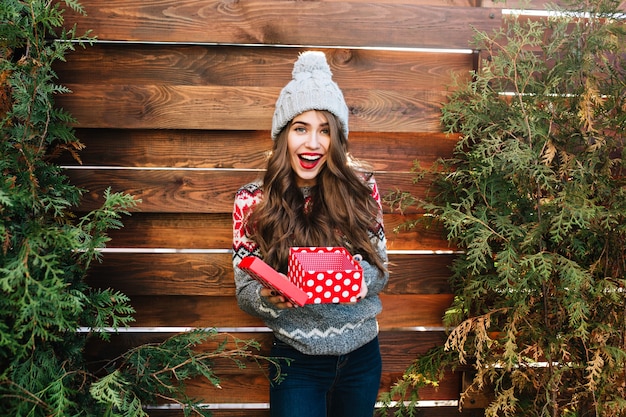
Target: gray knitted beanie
<point x="311" y="88"/>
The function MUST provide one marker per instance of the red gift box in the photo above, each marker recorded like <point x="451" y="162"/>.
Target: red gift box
<point x="269" y="277"/>
<point x="326" y="274"/>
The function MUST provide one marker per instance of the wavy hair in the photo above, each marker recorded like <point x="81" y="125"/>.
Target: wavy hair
<point x="342" y="212"/>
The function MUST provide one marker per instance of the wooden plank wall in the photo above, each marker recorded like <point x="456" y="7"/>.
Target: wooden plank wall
<point x="174" y="105"/>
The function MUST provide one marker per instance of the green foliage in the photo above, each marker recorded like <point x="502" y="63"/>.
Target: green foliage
<point x="151" y="372"/>
<point x="426" y="371"/>
<point x="46" y="250"/>
<point x="535" y="198"/>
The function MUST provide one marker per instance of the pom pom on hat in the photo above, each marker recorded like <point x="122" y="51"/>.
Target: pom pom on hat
<point x="311" y="88"/>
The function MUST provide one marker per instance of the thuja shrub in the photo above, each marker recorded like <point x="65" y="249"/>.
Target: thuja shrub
<point x="46" y="249"/>
<point x="534" y="198"/>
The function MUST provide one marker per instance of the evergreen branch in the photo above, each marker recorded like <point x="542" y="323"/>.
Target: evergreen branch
<point x="21" y="394"/>
<point x="46" y="251"/>
<point x="534" y="199"/>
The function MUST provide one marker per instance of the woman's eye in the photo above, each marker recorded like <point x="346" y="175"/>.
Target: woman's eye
<point x="326" y="132"/>
<point x="300" y="129"/>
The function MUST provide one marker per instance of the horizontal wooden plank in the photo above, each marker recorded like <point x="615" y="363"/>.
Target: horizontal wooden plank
<point x="450" y="3"/>
<point x="242" y="108"/>
<point x="212" y="274"/>
<point x="531" y="4"/>
<point x="154" y="86"/>
<point x="398" y="349"/>
<point x="423" y="412"/>
<point x="194" y="191"/>
<point x="237" y="412"/>
<point x="214" y="231"/>
<point x="275" y="22"/>
<point x="163" y="190"/>
<point x="386" y="151"/>
<point x="207" y="65"/>
<point x="254" y="388"/>
<point x="399" y="311"/>
<point x="174" y="231"/>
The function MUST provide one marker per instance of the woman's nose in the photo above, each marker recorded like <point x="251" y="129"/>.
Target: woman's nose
<point x="313" y="141"/>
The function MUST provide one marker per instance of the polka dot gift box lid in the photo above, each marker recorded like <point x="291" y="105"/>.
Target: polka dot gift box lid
<point x="326" y="274"/>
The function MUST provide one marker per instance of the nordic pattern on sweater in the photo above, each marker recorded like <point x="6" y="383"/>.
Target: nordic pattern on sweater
<point x="315" y="329"/>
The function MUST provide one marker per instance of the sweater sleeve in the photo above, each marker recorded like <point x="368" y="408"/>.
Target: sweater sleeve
<point x="247" y="288"/>
<point x="376" y="279"/>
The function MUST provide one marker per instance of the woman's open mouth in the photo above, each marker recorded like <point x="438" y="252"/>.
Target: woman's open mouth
<point x="309" y="161"/>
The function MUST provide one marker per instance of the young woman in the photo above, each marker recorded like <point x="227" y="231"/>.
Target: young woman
<point x="314" y="194"/>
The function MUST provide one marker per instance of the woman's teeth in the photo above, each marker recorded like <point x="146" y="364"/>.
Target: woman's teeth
<point x="310" y="157"/>
<point x="309" y="161"/>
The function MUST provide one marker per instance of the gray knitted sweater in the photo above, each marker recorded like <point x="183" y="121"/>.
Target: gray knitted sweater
<point x="315" y="329"/>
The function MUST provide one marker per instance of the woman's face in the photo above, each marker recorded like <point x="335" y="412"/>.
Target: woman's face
<point x="308" y="142"/>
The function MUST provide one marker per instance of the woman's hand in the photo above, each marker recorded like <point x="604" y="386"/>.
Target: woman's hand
<point x="363" y="291"/>
<point x="275" y="298"/>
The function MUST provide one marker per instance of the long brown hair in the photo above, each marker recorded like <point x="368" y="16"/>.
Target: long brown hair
<point x="342" y="207"/>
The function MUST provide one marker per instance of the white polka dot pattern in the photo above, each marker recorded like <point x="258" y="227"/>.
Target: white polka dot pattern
<point x="326" y="274"/>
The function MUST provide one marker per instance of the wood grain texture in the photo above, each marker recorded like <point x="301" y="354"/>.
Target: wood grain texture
<point x="423" y="412"/>
<point x="212" y="274"/>
<point x="226" y="66"/>
<point x="275" y="22"/>
<point x="177" y="113"/>
<point x="527" y="4"/>
<point x="254" y="387"/>
<point x="398" y="348"/>
<point x="247" y="149"/>
<point x="399" y="311"/>
<point x="214" y="231"/>
<point x="195" y="191"/>
<point x="241" y="108"/>
<point x="202" y="87"/>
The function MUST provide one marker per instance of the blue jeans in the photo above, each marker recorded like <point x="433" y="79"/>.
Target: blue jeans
<point x="326" y="386"/>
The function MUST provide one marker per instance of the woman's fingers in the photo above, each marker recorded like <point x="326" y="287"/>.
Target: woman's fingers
<point x="275" y="298"/>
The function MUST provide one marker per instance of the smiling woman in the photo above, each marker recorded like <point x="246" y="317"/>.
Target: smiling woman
<point x="308" y="140"/>
<point x="314" y="194"/>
